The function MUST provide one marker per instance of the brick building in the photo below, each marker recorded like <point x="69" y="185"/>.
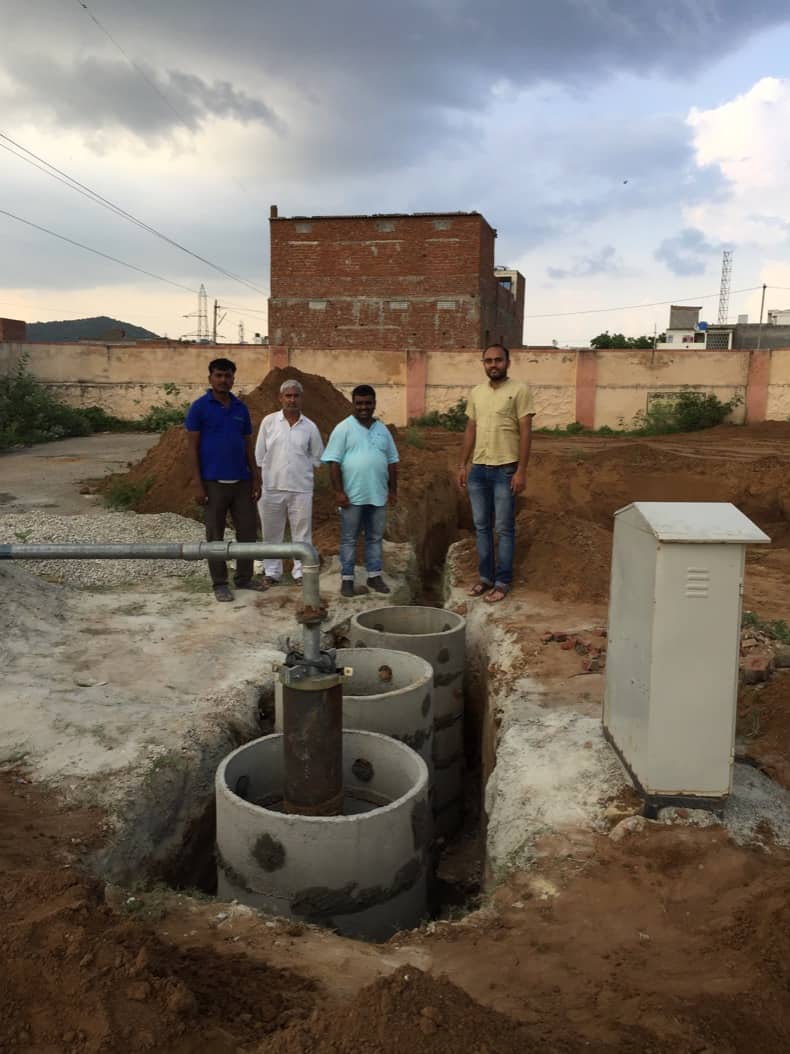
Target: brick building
<point x="13" y="330"/>
<point x="409" y="282"/>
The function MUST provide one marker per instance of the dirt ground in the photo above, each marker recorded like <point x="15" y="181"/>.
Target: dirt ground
<point x="674" y="939"/>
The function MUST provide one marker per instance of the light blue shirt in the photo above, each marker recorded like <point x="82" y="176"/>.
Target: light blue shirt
<point x="364" y="456"/>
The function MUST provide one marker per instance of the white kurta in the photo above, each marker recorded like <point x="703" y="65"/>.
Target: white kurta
<point x="288" y="455"/>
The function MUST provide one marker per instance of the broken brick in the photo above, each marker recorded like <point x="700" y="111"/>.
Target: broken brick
<point x="756" y="668"/>
<point x="593" y="665"/>
<point x="568" y="644"/>
<point x="547" y="637"/>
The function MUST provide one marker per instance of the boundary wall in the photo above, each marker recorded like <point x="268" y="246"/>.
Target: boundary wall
<point x="593" y="387"/>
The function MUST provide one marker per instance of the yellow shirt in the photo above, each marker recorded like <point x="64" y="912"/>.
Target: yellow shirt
<point x="496" y="413"/>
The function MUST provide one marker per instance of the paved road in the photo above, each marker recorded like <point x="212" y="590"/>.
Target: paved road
<point x="48" y="476"/>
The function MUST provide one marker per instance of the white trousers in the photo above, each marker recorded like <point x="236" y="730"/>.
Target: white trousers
<point x="276" y="507"/>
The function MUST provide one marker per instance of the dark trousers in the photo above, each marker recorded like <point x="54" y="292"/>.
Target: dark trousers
<point x="236" y="499"/>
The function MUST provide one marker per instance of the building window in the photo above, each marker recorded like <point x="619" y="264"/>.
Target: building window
<point x="316" y="305"/>
<point x="506" y="283"/>
<point x="719" y="341"/>
<point x="303" y="228"/>
<point x="442" y="225"/>
<point x="399" y="305"/>
<point x="385" y="226"/>
<point x="446" y="305"/>
<point x="669" y="338"/>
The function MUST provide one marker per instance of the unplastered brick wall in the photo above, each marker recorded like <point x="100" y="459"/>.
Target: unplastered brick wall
<point x="12" y="329"/>
<point x="398" y="282"/>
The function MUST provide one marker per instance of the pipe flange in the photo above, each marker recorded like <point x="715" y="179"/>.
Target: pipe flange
<point x="311" y="616"/>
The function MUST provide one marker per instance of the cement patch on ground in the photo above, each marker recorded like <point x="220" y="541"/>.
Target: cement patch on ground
<point x="128" y="699"/>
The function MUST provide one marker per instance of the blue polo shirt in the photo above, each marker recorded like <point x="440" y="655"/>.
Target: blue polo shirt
<point x="364" y="455"/>
<point x="223" y="430"/>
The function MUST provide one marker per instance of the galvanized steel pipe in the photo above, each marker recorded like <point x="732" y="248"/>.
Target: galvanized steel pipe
<point x="311" y="615"/>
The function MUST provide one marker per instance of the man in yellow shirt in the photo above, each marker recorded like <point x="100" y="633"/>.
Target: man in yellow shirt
<point x="497" y="437"/>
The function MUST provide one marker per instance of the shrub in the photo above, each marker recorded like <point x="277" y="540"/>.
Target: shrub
<point x="686" y="412"/>
<point x="30" y="413"/>
<point x="101" y="421"/>
<point x="161" y="417"/>
<point x="453" y="418"/>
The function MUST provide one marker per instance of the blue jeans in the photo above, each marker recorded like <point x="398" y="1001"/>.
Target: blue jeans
<point x="372" y="519"/>
<point x="493" y="510"/>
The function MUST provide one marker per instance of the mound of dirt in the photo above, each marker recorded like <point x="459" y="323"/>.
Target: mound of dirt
<point x="322" y="402"/>
<point x="407" y="1011"/>
<point x="164" y="470"/>
<point x="567" y="557"/>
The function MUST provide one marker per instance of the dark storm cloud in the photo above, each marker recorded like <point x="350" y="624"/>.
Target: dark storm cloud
<point x="351" y="56"/>
<point x="418" y="45"/>
<point x="92" y="93"/>
<point x="686" y="253"/>
<point x="605" y="261"/>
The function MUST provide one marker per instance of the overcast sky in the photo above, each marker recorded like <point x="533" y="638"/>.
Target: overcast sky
<point x="616" y="145"/>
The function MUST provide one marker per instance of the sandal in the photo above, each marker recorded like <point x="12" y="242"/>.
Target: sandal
<point x="495" y="596"/>
<point x="258" y="587"/>
<point x="479" y="589"/>
<point x="223" y="594"/>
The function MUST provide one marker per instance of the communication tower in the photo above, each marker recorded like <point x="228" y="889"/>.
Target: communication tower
<point x="724" y="288"/>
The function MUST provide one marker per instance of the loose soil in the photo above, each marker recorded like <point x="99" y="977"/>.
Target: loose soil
<point x="674" y="940"/>
<point x="764" y="725"/>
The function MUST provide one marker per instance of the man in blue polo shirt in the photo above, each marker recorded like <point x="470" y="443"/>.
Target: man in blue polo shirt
<point x="225" y="476"/>
<point x="362" y="460"/>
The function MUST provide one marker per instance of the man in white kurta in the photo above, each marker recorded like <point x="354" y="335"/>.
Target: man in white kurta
<point x="288" y="450"/>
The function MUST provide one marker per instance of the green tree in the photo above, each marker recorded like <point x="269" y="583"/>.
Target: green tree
<point x="619" y="340"/>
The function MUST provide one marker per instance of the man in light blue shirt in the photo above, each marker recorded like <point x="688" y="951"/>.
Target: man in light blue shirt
<point x="363" y="465"/>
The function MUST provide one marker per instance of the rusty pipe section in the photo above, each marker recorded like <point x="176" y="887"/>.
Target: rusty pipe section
<point x="312" y="611"/>
<point x="313" y="744"/>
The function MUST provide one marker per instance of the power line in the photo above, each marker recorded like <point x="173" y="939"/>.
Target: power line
<point x="635" y="307"/>
<point x="247" y="310"/>
<point x="96" y="252"/>
<point x="139" y="70"/>
<point x="133" y="64"/>
<point x="98" y="199"/>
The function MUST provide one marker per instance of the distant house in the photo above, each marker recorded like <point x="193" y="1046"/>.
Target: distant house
<point x="684" y="329"/>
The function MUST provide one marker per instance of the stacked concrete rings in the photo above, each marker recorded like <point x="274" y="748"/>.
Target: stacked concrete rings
<point x="439" y="637"/>
<point x="389" y="692"/>
<point x="363" y="874"/>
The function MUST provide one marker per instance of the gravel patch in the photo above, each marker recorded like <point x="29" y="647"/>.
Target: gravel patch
<point x="758" y="809"/>
<point x="41" y="526"/>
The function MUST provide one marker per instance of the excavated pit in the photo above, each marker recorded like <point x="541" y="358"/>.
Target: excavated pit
<point x="457" y="860"/>
<point x="457" y="851"/>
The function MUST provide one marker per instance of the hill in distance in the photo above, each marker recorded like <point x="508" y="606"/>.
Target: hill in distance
<point x="101" y="328"/>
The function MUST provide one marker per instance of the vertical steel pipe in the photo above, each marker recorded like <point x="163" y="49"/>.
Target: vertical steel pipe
<point x="313" y="745"/>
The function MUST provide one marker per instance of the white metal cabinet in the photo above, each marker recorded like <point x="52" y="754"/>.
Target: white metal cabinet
<point x="674" y="633"/>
